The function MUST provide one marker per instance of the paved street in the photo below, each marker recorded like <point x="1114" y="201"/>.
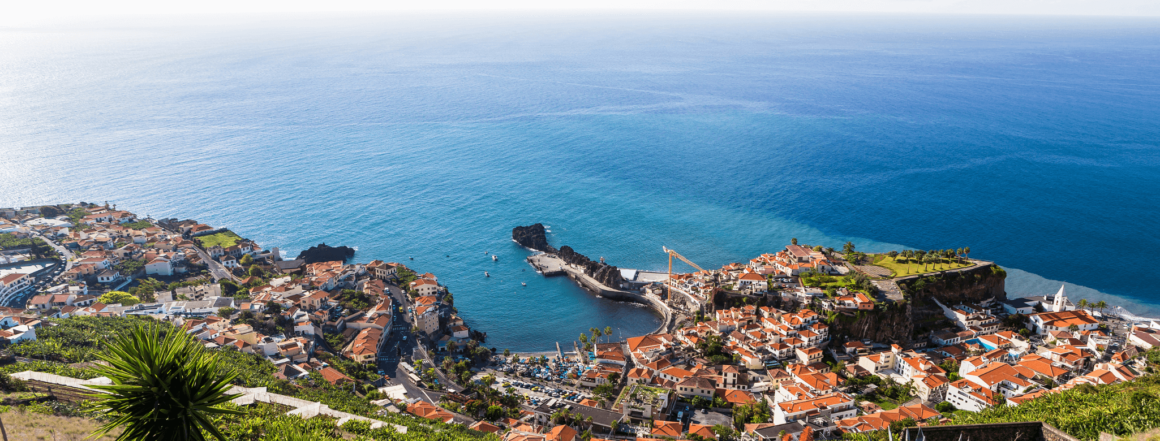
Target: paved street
<point x="47" y="279"/>
<point x="64" y="252"/>
<point x="401" y="347"/>
<point x="215" y="269"/>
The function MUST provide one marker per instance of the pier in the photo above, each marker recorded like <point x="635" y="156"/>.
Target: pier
<point x="549" y="265"/>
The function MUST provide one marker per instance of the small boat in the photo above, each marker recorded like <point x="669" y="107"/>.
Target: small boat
<point x="493" y="258"/>
<point x="485" y="274"/>
<point x="485" y="253"/>
<point x="524" y="283"/>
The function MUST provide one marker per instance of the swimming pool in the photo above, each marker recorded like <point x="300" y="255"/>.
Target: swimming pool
<point x="983" y="343"/>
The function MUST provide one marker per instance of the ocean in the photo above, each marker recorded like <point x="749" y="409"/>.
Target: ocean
<point x="1033" y="141"/>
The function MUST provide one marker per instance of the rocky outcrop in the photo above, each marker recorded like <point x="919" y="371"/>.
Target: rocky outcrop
<point x="533" y="237"/>
<point x="326" y="253"/>
<point x="892" y="325"/>
<point x="976" y="284"/>
<point x="606" y="274"/>
<point x="916" y="317"/>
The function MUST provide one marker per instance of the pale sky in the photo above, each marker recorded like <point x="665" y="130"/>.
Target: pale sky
<point x="23" y="13"/>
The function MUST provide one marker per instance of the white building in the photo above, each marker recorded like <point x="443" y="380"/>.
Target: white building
<point x="13" y="284"/>
<point x="159" y="266"/>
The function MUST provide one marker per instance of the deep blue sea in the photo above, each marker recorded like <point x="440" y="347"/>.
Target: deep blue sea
<point x="1034" y="141"/>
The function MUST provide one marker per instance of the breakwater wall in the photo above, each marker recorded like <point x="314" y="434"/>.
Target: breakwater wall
<point x="595" y="277"/>
<point x="551" y="265"/>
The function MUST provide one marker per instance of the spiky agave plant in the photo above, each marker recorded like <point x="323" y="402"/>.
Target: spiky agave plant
<point x="165" y="387"/>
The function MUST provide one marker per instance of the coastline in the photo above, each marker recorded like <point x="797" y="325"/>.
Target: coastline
<point x="1022" y="283"/>
<point x="545" y="261"/>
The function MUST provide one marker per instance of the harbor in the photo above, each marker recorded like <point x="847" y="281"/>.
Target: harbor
<point x="550" y="265"/>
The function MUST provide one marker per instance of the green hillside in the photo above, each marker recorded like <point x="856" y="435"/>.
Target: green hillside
<point x="1085" y="411"/>
<point x="79" y="339"/>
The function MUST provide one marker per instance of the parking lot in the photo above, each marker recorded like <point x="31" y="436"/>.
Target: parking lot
<point x="538" y="394"/>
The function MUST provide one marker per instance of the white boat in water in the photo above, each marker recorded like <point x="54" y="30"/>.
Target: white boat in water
<point x="493" y="258"/>
<point x="524" y="283"/>
<point x="485" y="274"/>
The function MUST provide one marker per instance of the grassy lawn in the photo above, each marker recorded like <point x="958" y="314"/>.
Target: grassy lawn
<point x="903" y="269"/>
<point x="23" y="425"/>
<point x="225" y="239"/>
<point x="886" y="404"/>
<point x="826" y="281"/>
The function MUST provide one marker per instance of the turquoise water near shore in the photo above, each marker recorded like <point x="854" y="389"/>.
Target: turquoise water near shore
<point x="1031" y="140"/>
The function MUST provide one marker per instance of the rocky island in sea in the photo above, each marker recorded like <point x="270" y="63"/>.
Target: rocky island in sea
<point x="325" y="253"/>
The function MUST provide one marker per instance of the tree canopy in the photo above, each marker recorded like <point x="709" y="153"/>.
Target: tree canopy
<point x="120" y="297"/>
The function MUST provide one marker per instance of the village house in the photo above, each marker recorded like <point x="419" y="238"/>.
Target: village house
<point x="364" y="347"/>
<point x="14" y="284"/>
<point x="426" y="318"/>
<point x="383" y="270"/>
<point x="831" y="407"/>
<point x="796" y="259"/>
<point x="639" y="402"/>
<point x="881" y="420"/>
<point x="1046" y="322"/>
<point x="988" y="386"/>
<point x="159" y="266"/>
<point x="425" y="287"/>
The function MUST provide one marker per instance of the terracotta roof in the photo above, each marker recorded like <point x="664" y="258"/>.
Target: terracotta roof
<point x="667" y="428"/>
<point x="702" y="430"/>
<point x="333" y="376"/>
<point x="430" y="411"/>
<point x="562" y="433"/>
<point x="484" y="426"/>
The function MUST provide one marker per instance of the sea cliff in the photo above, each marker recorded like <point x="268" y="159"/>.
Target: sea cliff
<point x="915" y="317"/>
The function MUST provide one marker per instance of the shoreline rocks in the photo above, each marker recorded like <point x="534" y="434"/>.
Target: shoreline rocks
<point x="606" y="274"/>
<point x="326" y="253"/>
<point x="535" y="237"/>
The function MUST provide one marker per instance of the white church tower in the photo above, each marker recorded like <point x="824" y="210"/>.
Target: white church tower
<point x="1060" y="301"/>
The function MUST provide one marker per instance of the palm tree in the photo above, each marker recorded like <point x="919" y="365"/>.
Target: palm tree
<point x="451" y="347"/>
<point x="596" y="335"/>
<point x="1082" y="303"/>
<point x="1101" y="305"/>
<point x="608" y="332"/>
<point x="967" y="251"/>
<point x="165" y="386"/>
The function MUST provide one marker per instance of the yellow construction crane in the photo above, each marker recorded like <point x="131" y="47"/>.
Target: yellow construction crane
<point x="672" y="254"/>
